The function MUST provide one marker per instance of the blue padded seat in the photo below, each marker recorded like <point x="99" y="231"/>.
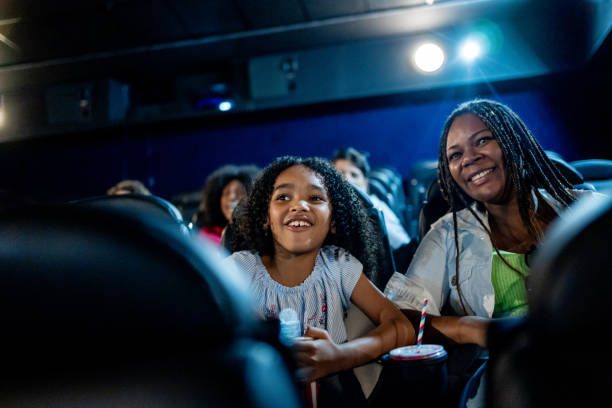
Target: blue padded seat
<point x="596" y="172"/>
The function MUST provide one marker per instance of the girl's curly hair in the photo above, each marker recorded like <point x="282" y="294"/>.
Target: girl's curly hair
<point x="209" y="212"/>
<point x="353" y="229"/>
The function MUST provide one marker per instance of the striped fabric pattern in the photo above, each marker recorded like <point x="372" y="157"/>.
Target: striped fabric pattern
<point x="509" y="286"/>
<point x="321" y="300"/>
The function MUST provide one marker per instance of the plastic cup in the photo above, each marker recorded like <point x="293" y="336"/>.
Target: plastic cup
<point x="428" y="353"/>
<point x="416" y="374"/>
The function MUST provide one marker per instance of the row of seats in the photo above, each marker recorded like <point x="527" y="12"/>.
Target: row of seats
<point x="420" y="202"/>
<point x="110" y="302"/>
<point x="110" y="298"/>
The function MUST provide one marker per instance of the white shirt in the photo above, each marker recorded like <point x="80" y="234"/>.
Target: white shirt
<point x="396" y="232"/>
<point x="320" y="301"/>
<point x="431" y="273"/>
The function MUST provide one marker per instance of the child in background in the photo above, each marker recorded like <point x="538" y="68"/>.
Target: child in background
<point x="301" y="224"/>
<point x="224" y="189"/>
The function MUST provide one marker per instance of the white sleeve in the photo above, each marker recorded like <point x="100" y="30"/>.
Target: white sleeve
<point x="427" y="275"/>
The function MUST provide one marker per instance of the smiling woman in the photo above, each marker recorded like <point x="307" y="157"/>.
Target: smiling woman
<point x="474" y="261"/>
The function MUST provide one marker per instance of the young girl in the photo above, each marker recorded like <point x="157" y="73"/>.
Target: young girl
<point x="303" y="223"/>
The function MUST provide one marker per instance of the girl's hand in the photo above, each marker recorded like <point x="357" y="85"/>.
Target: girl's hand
<point x="316" y="357"/>
<point x="473" y="329"/>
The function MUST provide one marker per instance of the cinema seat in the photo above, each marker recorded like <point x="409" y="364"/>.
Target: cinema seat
<point x="99" y="308"/>
<point x="596" y="172"/>
<point x="137" y="206"/>
<point x="385" y="255"/>
<point x="557" y="355"/>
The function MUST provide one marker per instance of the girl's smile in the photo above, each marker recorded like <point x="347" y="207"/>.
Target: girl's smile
<point x="299" y="213"/>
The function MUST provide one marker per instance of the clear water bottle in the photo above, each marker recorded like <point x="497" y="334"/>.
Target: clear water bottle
<point x="290" y="326"/>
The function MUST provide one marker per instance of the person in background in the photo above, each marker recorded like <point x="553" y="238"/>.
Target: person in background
<point x="503" y="192"/>
<point x="224" y="189"/>
<point x="305" y="240"/>
<point x="355" y="168"/>
<point x="128" y="187"/>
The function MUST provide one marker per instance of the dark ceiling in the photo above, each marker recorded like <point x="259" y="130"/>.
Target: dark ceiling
<point x="62" y="40"/>
<point x="54" y="42"/>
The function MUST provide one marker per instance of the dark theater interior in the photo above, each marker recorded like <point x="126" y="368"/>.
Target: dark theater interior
<point x="98" y="91"/>
<point x="165" y="92"/>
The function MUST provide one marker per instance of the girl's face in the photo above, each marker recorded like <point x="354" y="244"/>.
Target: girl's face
<point x="475" y="160"/>
<point x="232" y="193"/>
<point x="299" y="213"/>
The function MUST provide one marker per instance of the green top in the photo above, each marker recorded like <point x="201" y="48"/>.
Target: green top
<point x="509" y="286"/>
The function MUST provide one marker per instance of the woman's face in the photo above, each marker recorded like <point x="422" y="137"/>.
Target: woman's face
<point x="475" y="160"/>
<point x="299" y="213"/>
<point x="232" y="193"/>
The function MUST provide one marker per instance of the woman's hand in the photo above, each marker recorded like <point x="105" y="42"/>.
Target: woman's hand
<point x="318" y="356"/>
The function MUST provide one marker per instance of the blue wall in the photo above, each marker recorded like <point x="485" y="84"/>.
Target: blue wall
<point x="172" y="158"/>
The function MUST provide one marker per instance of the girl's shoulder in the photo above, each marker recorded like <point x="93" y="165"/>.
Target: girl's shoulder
<point x="245" y="259"/>
<point x="337" y="254"/>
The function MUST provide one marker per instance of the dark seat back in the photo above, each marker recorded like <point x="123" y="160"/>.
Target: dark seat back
<point x="596" y="172"/>
<point x="568" y="171"/>
<point x="421" y="176"/>
<point x="137" y="206"/>
<point x="554" y="358"/>
<point x="387" y="184"/>
<point x="433" y="208"/>
<point x="385" y="255"/>
<point x="99" y="308"/>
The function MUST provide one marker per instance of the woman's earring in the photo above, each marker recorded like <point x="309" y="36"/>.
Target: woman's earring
<point x="332" y="228"/>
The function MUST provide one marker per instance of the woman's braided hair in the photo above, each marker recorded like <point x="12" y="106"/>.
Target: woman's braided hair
<point x="526" y="164"/>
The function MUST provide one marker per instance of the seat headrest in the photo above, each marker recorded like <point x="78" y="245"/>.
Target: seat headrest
<point x="88" y="275"/>
<point x="594" y="169"/>
<point x="570" y="278"/>
<point x="135" y="205"/>
<point x="567" y="170"/>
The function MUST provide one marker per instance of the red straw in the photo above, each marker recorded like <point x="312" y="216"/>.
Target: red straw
<point x="422" y="323"/>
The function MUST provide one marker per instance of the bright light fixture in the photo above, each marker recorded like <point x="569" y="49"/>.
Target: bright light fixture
<point x="470" y="49"/>
<point x="226" y="105"/>
<point x="428" y="57"/>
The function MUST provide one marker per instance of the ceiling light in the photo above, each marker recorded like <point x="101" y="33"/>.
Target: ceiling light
<point x="470" y="50"/>
<point x="225" y="105"/>
<point x="428" y="57"/>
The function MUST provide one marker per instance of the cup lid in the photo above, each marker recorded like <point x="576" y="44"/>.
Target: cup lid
<point x="422" y="352"/>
